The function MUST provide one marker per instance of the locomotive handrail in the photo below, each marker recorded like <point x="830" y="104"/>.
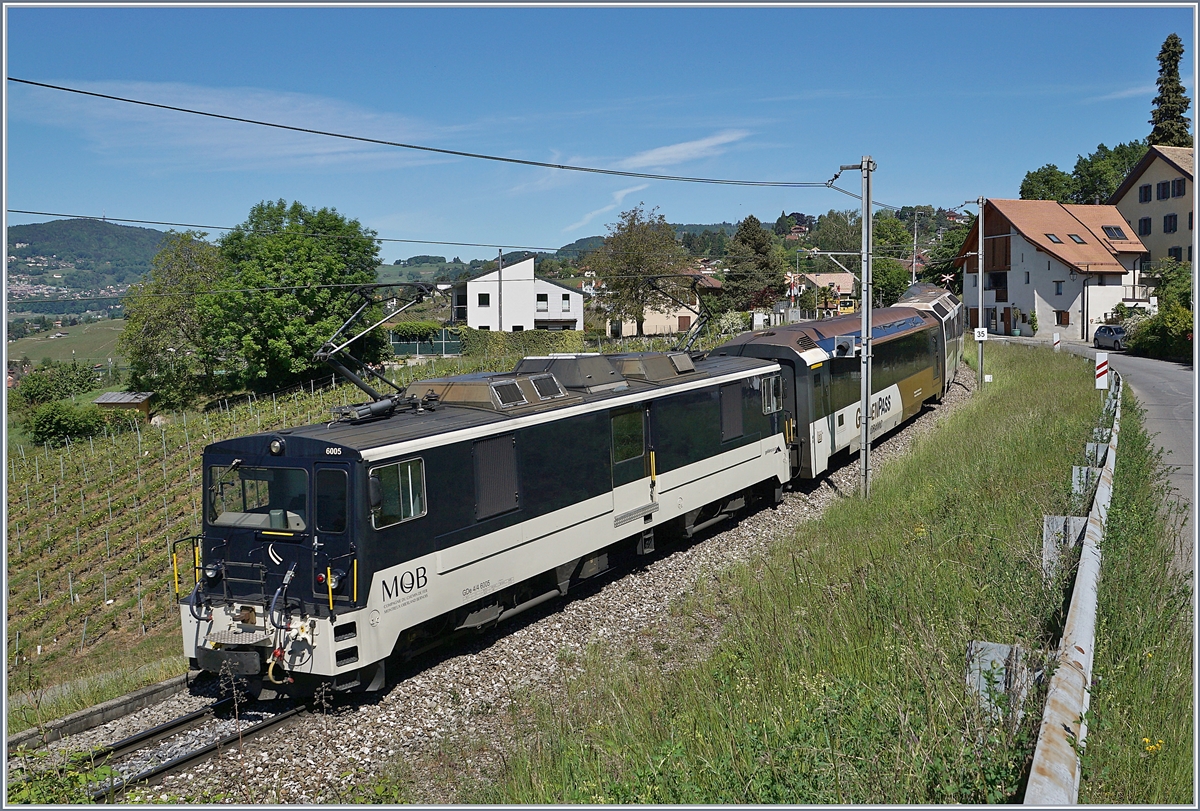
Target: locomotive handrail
<point x="194" y="540"/>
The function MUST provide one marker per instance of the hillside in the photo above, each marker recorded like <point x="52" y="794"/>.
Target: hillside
<point x="75" y="258"/>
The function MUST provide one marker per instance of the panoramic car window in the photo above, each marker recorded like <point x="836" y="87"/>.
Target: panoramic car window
<point x="259" y="497"/>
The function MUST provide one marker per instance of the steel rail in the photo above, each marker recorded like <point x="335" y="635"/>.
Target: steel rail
<point x="154" y="734"/>
<point x="1055" y="772"/>
<point x="117" y="789"/>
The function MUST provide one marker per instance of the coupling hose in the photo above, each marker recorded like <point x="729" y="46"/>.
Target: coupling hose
<point x="192" y="607"/>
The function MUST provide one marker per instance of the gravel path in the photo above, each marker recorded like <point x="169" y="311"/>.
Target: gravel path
<point x="447" y="721"/>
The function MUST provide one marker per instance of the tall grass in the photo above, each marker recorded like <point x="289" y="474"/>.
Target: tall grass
<point x="1141" y="734"/>
<point x="841" y="673"/>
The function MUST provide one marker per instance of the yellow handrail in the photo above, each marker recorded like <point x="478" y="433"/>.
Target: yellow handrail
<point x="329" y="584"/>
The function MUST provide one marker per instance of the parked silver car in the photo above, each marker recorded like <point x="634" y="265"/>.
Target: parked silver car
<point x="1109" y="337"/>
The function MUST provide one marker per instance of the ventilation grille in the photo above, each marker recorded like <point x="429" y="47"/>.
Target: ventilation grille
<point x="509" y="393"/>
<point x="547" y="387"/>
<point x="805" y="343"/>
<point x="940" y="309"/>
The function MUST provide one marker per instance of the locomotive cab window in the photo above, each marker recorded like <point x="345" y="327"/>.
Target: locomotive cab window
<point x="258" y="497"/>
<point x="397" y="493"/>
<point x="772" y="394"/>
<point x="331" y="500"/>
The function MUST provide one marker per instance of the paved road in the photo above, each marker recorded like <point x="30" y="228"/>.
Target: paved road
<point x="1166" y="391"/>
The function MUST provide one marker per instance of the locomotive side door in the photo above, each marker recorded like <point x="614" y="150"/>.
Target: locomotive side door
<point x="633" y="492"/>
<point x="333" y="552"/>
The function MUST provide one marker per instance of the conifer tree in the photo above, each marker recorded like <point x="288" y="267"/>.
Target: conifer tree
<point x="1170" y="123"/>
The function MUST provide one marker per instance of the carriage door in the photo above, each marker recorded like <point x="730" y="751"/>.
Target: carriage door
<point x="333" y="558"/>
<point x="821" y="430"/>
<point x="633" y="493"/>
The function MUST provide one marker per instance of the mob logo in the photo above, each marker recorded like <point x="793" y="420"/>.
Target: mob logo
<point x="405" y="583"/>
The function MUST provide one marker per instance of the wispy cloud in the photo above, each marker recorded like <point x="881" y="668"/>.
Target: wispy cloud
<point x="683" y="152"/>
<point x="617" y="197"/>
<point x="139" y="135"/>
<point x="1146" y="90"/>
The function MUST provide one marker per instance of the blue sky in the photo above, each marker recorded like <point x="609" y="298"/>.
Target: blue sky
<point x="950" y="102"/>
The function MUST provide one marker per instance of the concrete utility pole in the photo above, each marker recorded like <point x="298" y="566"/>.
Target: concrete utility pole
<point x="864" y="460"/>
<point x="981" y="202"/>
<point x="499" y="290"/>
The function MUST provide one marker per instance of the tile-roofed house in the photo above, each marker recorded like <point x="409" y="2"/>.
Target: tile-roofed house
<point x="1155" y="200"/>
<point x="1068" y="265"/>
<point x="841" y="283"/>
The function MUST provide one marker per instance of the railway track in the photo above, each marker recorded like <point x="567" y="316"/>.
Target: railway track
<point x="130" y="771"/>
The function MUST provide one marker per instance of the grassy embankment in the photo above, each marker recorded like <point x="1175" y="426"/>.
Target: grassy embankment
<point x="1140" y="721"/>
<point x="840" y="676"/>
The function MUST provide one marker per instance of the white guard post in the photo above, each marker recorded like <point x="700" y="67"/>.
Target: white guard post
<point x="1102" y="370"/>
<point x="1057" y="341"/>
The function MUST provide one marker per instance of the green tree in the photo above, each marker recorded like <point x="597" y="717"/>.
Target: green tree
<point x="1171" y="126"/>
<point x="756" y="265"/>
<point x="889" y="237"/>
<point x="639" y="247"/>
<point x="168" y="338"/>
<point x="51" y="381"/>
<point x="1173" y="283"/>
<point x="942" y="255"/>
<point x="289" y="287"/>
<point x="837" y="231"/>
<point x="889" y="280"/>
<point x="783" y="225"/>
<point x="1048" y="183"/>
<point x="1097" y="176"/>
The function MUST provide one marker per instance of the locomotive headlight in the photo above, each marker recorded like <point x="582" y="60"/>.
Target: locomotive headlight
<point x="212" y="571"/>
<point x="277" y="447"/>
<point x="335" y="578"/>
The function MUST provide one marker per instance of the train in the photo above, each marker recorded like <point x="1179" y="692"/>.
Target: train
<point x="328" y="550"/>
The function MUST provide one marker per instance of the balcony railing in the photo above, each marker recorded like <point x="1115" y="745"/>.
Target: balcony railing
<point x="1135" y="292"/>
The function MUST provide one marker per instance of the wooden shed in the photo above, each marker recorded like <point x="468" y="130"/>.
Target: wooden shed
<point x="136" y="400"/>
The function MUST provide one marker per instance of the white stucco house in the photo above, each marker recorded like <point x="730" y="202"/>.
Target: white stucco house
<point x="513" y="299"/>
<point x="1069" y="264"/>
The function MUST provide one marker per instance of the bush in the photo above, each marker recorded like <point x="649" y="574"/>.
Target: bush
<point x="54" y="381"/>
<point x="56" y="421"/>
<point x="530" y="342"/>
<point x="414" y="331"/>
<point x="1165" y="335"/>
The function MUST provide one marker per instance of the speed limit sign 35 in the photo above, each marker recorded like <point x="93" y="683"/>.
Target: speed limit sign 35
<point x="981" y="333"/>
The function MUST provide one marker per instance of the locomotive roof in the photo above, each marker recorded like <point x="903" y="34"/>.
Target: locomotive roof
<point x="406" y="425"/>
<point x="816" y="341"/>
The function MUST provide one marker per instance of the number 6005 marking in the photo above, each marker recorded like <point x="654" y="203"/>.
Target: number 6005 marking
<point x="333" y="451"/>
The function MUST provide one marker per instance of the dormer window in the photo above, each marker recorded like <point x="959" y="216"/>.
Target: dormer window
<point x="1114" y="232"/>
<point x="1077" y="239"/>
<point x="1054" y="239"/>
